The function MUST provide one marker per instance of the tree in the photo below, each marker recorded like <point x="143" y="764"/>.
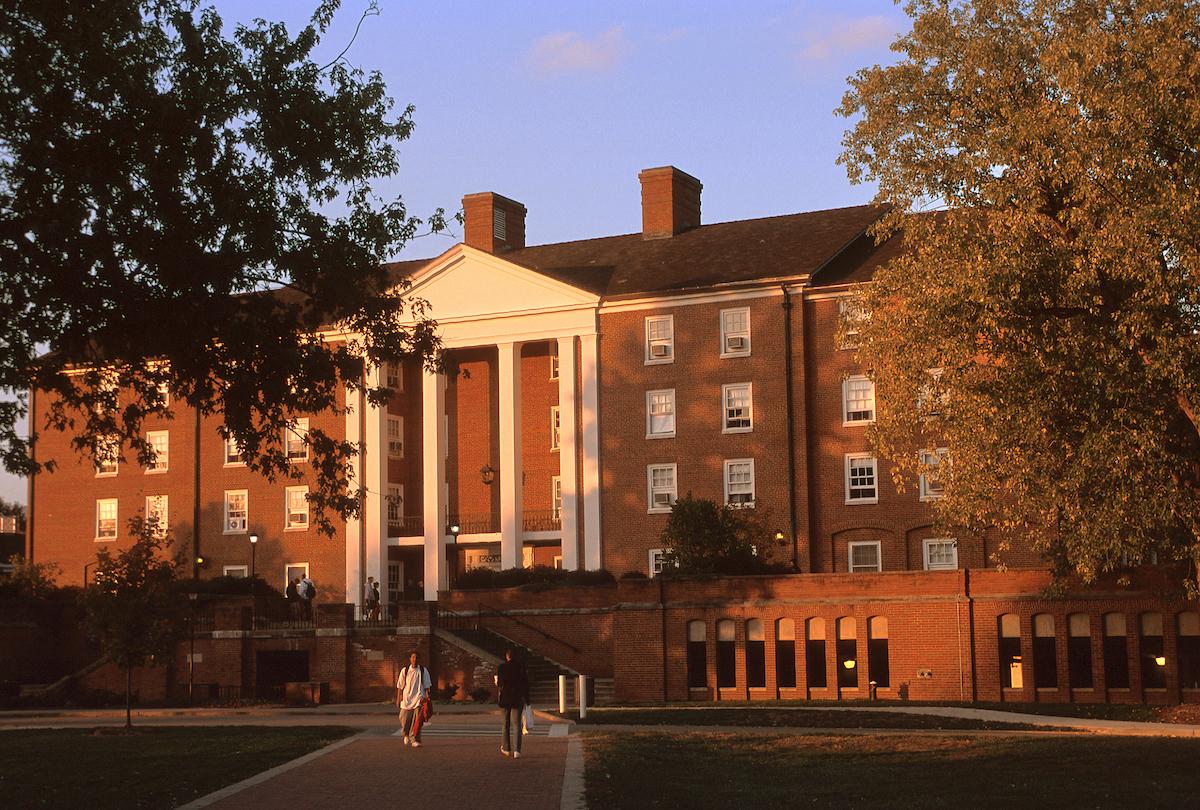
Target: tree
<point x="1043" y="322"/>
<point x="189" y="217"/>
<point x="133" y="606"/>
<point x="29" y="580"/>
<point x="703" y="538"/>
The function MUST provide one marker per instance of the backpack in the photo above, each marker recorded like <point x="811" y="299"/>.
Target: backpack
<point x="311" y="592"/>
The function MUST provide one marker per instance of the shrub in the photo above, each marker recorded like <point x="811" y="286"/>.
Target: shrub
<point x="481" y="694"/>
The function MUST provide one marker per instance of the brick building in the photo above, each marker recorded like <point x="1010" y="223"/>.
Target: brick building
<point x="590" y="383"/>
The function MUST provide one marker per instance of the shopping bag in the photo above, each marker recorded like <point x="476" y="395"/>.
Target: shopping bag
<point x="527" y="719"/>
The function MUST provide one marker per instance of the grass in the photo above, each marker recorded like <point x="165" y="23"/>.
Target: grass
<point x="787" y="718"/>
<point x="148" y="768"/>
<point x="728" y="770"/>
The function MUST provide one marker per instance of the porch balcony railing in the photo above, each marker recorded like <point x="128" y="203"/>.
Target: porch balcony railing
<point x="480" y="523"/>
<point x="406" y="526"/>
<point x="542" y="520"/>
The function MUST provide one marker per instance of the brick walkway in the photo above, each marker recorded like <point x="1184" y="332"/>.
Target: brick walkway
<point x="445" y="772"/>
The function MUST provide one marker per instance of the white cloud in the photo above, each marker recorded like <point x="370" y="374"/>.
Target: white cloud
<point x="570" y="52"/>
<point x="848" y="36"/>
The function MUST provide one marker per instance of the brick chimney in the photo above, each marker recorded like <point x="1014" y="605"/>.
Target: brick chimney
<point x="493" y="223"/>
<point x="670" y="202"/>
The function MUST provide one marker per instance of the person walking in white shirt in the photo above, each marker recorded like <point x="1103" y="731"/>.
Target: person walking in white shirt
<point x="412" y="689"/>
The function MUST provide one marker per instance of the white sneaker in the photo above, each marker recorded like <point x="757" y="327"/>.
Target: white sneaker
<point x="516" y="754"/>
<point x="504" y="751"/>
<point x="406" y="740"/>
<point x="416" y="744"/>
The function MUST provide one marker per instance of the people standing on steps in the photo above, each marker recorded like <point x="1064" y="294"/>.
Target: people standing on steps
<point x="513" y="697"/>
<point x="308" y="591"/>
<point x="412" y="689"/>
<point x="292" y="595"/>
<point x="371" y="599"/>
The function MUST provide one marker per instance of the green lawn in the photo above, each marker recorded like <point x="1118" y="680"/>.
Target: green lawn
<point x="151" y="767"/>
<point x="731" y="770"/>
<point x="787" y="718"/>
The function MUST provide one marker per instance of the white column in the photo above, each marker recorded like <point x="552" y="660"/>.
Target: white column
<point x="375" y="475"/>
<point x="354" y="549"/>
<point x="433" y="481"/>
<point x="567" y="453"/>
<point x="512" y="514"/>
<point x="590" y="368"/>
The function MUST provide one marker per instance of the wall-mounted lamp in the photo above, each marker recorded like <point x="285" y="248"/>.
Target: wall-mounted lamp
<point x="1161" y="660"/>
<point x="781" y="538"/>
<point x="850" y="663"/>
<point x="487" y="474"/>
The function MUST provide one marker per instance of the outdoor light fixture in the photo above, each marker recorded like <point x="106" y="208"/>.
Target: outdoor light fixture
<point x="488" y="474"/>
<point x="780" y="538"/>
<point x="1161" y="660"/>
<point x="850" y="663"/>
<point x="253" y="538"/>
<point x="456" y="530"/>
<point x="200" y="560"/>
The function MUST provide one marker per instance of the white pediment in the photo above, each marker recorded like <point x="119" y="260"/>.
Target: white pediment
<point x="475" y="296"/>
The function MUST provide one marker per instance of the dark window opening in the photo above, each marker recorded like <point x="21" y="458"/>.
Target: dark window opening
<point x="847" y="663"/>
<point x="756" y="664"/>
<point x="1010" y="663"/>
<point x="814" y="661"/>
<point x="726" y="664"/>
<point x="785" y="664"/>
<point x="1189" y="662"/>
<point x="1116" y="662"/>
<point x="1154" y="663"/>
<point x="1079" y="661"/>
<point x="877" y="661"/>
<point x="697" y="664"/>
<point x="1045" y="663"/>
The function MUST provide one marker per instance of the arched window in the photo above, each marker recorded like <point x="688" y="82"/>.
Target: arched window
<point x="1079" y="651"/>
<point x="697" y="655"/>
<point x="1116" y="652"/>
<point x="785" y="653"/>
<point x="1189" y="650"/>
<point x="756" y="655"/>
<point x="814" y="654"/>
<point x="726" y="654"/>
<point x="1154" y="662"/>
<point x="877" y="651"/>
<point x="1045" y="652"/>
<point x="1011" y="674"/>
<point x="847" y="653"/>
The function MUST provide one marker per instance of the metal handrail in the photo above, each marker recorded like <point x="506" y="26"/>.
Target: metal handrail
<point x="535" y="628"/>
<point x="406" y="526"/>
<point x="481" y="523"/>
<point x="542" y="520"/>
<point x="452" y="620"/>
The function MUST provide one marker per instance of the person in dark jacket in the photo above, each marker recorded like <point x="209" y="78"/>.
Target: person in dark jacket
<point x="513" y="698"/>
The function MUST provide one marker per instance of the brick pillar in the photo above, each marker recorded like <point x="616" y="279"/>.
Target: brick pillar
<point x="335" y="624"/>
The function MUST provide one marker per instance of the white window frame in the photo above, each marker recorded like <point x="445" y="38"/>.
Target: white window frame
<point x="107" y="449"/>
<point x="665" y="434"/>
<point x="651" y="509"/>
<point x="556" y="496"/>
<point x="846" y="386"/>
<point x="851" y="457"/>
<point x="297" y="433"/>
<point x="289" y="512"/>
<point x="725" y="390"/>
<point x="110" y="535"/>
<point x="669" y="357"/>
<point x="245" y="518"/>
<point x="162" y="526"/>
<point x="554" y="360"/>
<point x="655" y="561"/>
<point x="727" y="333"/>
<point x="728" y="464"/>
<point x="162" y="459"/>
<point x="928" y="543"/>
<point x="395" y="439"/>
<point x="555" y="427"/>
<point x="227" y="571"/>
<point x="927" y="493"/>
<point x="239" y="456"/>
<point x="395" y="502"/>
<point x="394" y="376"/>
<point x="286" y="566"/>
<point x="863" y="544"/>
<point x="849" y="339"/>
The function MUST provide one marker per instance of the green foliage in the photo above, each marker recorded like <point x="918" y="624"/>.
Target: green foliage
<point x="702" y="537"/>
<point x="539" y="576"/>
<point x="29" y="579"/>
<point x="180" y="211"/>
<point x="1058" y="289"/>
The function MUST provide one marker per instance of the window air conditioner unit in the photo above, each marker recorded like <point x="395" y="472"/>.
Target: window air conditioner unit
<point x="662" y="499"/>
<point x="660" y="350"/>
<point x="735" y="343"/>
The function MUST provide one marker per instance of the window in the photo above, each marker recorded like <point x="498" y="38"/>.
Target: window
<point x="656" y="561"/>
<point x="660" y="413"/>
<point x="941" y="554"/>
<point x="236" y="571"/>
<point x="1011" y="674"/>
<point x="106" y="519"/>
<point x="851" y="317"/>
<point x="1079" y="651"/>
<point x="1116" y="660"/>
<point x="814" y="655"/>
<point x="864" y="556"/>
<point x="1045" y="652"/>
<point x="159" y="441"/>
<point x="395" y="436"/>
<point x="293" y="572"/>
<point x="156" y="515"/>
<point x="661" y="486"/>
<point x="739" y="482"/>
<point x="697" y="656"/>
<point x="726" y="654"/>
<point x="107" y="454"/>
<point x="735" y="332"/>
<point x="395" y="503"/>
<point x="931" y="482"/>
<point x="858" y="401"/>
<point x="932" y="397"/>
<point x="738" y="408"/>
<point x="785" y="653"/>
<point x="395" y="379"/>
<point x="556" y="496"/>
<point x="236" y="511"/>
<point x="1154" y="661"/>
<point x="164" y="395"/>
<point x="756" y="655"/>
<point x="878" y="669"/>
<point x="1189" y="650"/>
<point x="660" y="339"/>
<point x="296" y="506"/>
<point x="847" y="653"/>
<point x="234" y="457"/>
<point x="296" y="439"/>
<point x="555" y="428"/>
<point x="860" y="479"/>
<point x="554" y="360"/>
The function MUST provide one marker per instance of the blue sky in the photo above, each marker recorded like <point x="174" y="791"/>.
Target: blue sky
<point x="560" y="104"/>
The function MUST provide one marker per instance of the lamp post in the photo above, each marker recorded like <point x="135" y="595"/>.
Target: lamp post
<point x="455" y="531"/>
<point x="86" y="566"/>
<point x="192" y="597"/>
<point x="253" y="577"/>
